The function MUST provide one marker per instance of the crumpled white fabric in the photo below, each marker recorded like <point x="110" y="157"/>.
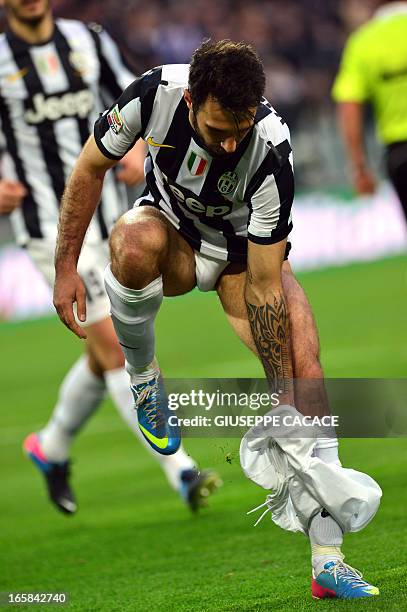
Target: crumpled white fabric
<point x="301" y="484"/>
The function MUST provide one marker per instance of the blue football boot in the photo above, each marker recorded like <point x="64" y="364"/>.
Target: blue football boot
<point x="153" y="416"/>
<point x="342" y="581"/>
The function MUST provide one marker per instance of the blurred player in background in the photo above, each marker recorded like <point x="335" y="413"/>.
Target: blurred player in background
<point x="56" y="76"/>
<point x="217" y="215"/>
<point x="374" y="70"/>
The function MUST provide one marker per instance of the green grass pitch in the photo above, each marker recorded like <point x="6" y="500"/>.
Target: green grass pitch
<point x="133" y="545"/>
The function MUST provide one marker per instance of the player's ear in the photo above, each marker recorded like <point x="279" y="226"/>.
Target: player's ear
<point x="187" y="97"/>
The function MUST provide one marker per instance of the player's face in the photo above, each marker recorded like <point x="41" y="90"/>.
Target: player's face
<point x="27" y="11"/>
<point x="219" y="129"/>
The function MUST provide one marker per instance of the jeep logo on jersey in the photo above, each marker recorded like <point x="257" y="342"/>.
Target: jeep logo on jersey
<point x="196" y="206"/>
<point x="227" y="182"/>
<point x="77" y="104"/>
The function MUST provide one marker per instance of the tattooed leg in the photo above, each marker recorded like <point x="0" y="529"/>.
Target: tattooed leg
<point x="310" y="395"/>
<point x="269" y="324"/>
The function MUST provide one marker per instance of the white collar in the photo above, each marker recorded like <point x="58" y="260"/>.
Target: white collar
<point x="388" y="10"/>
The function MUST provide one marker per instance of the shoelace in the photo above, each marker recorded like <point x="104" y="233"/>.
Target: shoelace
<point x="148" y="395"/>
<point x="348" y="574"/>
<point x="274" y="502"/>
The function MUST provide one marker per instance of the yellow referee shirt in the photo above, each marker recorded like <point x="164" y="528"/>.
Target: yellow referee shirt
<point x="374" y="68"/>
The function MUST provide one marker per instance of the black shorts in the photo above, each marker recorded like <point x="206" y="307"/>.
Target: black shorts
<point x="396" y="162"/>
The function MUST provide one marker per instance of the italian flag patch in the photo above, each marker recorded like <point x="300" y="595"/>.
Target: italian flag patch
<point x="196" y="164"/>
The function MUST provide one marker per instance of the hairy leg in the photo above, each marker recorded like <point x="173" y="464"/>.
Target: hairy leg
<point x="310" y="392"/>
<point x="310" y="395"/>
<point x="149" y="259"/>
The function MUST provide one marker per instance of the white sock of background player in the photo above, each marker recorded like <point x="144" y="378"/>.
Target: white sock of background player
<point x="80" y="395"/>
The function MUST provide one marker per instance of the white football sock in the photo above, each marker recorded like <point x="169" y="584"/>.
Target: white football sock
<point x="80" y="394"/>
<point x="133" y="313"/>
<point x="326" y="449"/>
<point x="118" y="385"/>
<point x="326" y="540"/>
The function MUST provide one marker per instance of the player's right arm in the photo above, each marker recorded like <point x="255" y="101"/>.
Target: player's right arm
<point x="81" y="197"/>
<point x="116" y="132"/>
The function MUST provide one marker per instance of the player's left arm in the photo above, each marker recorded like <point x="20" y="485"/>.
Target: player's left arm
<point x="267" y="309"/>
<point x="268" y="314"/>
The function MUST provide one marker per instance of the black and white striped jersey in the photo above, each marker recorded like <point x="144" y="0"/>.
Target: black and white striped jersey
<point x="216" y="204"/>
<point x="50" y="96"/>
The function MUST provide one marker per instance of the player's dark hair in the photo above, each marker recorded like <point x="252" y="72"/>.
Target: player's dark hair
<point x="230" y="72"/>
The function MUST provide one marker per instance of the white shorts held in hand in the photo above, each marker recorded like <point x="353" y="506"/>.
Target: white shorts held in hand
<point x="300" y="484"/>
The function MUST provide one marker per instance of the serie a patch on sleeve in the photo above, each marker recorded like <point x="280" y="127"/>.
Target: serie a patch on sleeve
<point x="115" y="120"/>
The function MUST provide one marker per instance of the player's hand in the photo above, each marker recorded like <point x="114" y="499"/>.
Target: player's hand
<point x="131" y="168"/>
<point x="69" y="288"/>
<point x="11" y="195"/>
<point x="129" y="172"/>
<point x="364" y="182"/>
